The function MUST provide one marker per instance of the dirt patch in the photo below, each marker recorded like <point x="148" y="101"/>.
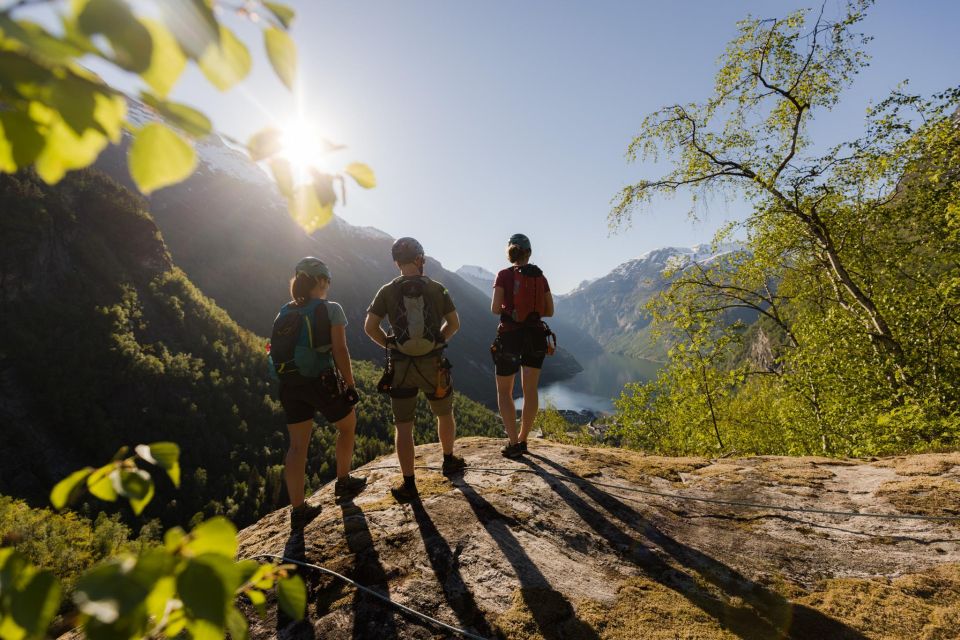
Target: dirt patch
<point x="635" y="467"/>
<point x="535" y="611"/>
<point x="795" y="473"/>
<point x="925" y="496"/>
<point x="428" y="484"/>
<point x="722" y="471"/>
<point x="921" y="465"/>
<point x="923" y="606"/>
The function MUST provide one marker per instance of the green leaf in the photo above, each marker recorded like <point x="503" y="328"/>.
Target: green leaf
<point x="203" y="593"/>
<point x="13" y="564"/>
<point x="128" y="37"/>
<point x="163" y="454"/>
<point x="283" y="55"/>
<point x="100" y="483"/>
<point x="226" y="62"/>
<point x="36" y="604"/>
<point x="292" y="596"/>
<point x="167" y="60"/>
<point x="138" y="488"/>
<point x="236" y="624"/>
<point x="164" y="590"/>
<point x="109" y="591"/>
<point x="159" y="157"/>
<point x="187" y="119"/>
<point x="282" y="175"/>
<point x="173" y="538"/>
<point x="259" y="602"/>
<point x="70" y="488"/>
<point x="282" y="12"/>
<point x="63" y="149"/>
<point x="323" y="187"/>
<point x="306" y="209"/>
<point x="362" y="174"/>
<point x="216" y="535"/>
<point x="20" y="141"/>
<point x="192" y="23"/>
<point x="264" y="144"/>
<point x="39" y="41"/>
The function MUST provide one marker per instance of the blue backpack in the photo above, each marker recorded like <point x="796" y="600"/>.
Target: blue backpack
<point x="299" y="334"/>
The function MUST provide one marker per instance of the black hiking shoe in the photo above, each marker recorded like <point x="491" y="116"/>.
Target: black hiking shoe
<point x="404" y="492"/>
<point x="303" y="515"/>
<point x="345" y="489"/>
<point x="512" y="451"/>
<point x="523" y="446"/>
<point x="453" y="464"/>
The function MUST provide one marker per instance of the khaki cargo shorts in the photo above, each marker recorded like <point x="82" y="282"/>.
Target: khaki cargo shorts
<point x="410" y="377"/>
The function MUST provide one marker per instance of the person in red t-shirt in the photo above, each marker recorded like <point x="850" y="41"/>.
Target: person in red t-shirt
<point x="521" y="297"/>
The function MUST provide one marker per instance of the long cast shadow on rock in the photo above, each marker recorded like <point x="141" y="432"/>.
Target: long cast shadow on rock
<point x="552" y="612"/>
<point x="295" y="549"/>
<point x="445" y="566"/>
<point x="768" y="614"/>
<point x="371" y="617"/>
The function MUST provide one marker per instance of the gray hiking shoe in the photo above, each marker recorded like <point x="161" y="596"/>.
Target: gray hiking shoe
<point x="346" y="489"/>
<point x="303" y="515"/>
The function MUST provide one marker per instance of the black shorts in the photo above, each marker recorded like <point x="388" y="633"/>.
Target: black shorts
<point x="302" y="399"/>
<point x="526" y="346"/>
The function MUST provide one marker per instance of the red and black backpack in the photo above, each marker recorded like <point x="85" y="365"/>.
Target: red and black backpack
<point x="529" y="294"/>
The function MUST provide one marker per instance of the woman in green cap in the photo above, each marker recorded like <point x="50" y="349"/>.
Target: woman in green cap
<point x="521" y="297"/>
<point x="308" y="350"/>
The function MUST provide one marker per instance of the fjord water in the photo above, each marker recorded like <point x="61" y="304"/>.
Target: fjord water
<point x="602" y="379"/>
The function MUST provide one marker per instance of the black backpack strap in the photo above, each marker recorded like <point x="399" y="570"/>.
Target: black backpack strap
<point x="321" y="322"/>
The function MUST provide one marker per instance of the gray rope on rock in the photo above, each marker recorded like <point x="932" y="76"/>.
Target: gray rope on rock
<point x="372" y="592"/>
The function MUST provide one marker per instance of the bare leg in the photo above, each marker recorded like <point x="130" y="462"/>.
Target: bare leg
<point x="508" y="410"/>
<point x="295" y="463"/>
<point x="529" y="378"/>
<point x="446" y="429"/>
<point x="346" y="427"/>
<point x="404" y="444"/>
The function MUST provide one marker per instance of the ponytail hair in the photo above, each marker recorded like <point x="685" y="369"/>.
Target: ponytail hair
<point x="516" y="254"/>
<point x="300" y="287"/>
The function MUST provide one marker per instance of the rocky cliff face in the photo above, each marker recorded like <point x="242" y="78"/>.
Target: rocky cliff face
<point x="566" y="544"/>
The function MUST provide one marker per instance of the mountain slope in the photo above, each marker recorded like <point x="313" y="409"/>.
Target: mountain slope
<point x="538" y="550"/>
<point x="611" y="308"/>
<point x="105" y="342"/>
<point x="478" y="277"/>
<point x="228" y="228"/>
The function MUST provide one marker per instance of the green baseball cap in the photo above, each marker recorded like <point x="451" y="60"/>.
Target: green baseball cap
<point x="520" y="240"/>
<point x="313" y="267"/>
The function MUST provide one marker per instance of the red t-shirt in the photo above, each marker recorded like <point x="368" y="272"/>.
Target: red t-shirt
<point x="505" y="280"/>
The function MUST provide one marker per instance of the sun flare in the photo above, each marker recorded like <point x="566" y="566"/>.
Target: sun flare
<point x="305" y="147"/>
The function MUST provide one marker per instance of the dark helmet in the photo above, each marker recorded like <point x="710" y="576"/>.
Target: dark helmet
<point x="406" y="250"/>
<point x="313" y="267"/>
<point x="519" y="240"/>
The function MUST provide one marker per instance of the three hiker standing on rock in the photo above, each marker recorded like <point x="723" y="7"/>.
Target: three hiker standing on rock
<point x="309" y="355"/>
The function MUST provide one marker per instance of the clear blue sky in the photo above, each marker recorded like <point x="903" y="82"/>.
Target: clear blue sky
<point x="482" y="119"/>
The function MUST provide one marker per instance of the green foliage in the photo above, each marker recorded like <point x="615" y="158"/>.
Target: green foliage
<point x="58" y="116"/>
<point x="554" y="426"/>
<point x="850" y="266"/>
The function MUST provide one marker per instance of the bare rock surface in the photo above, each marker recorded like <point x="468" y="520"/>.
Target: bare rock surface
<point x="574" y="542"/>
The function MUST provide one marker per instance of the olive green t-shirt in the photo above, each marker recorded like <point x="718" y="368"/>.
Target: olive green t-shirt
<point x="434" y="293"/>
